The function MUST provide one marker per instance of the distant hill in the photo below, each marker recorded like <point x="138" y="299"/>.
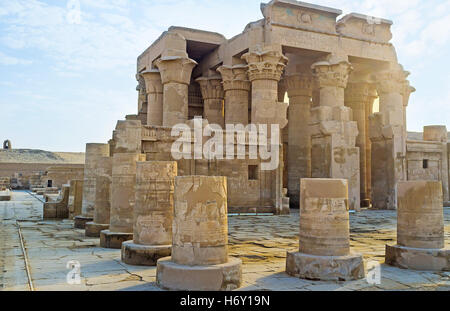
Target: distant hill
<point x="40" y="156"/>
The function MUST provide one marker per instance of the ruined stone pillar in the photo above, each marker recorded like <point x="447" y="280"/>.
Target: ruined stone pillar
<point x="265" y="67"/>
<point x="333" y="134"/>
<point x="213" y="96"/>
<point x="357" y="98"/>
<point x="299" y="88"/>
<point x="142" y="99"/>
<point x="93" y="153"/>
<point x="154" y="93"/>
<point x="122" y="200"/>
<point x="176" y="76"/>
<point x="237" y="87"/>
<point x="420" y="228"/>
<point x="200" y="238"/>
<point x="324" y="251"/>
<point x="103" y="177"/>
<point x="439" y="134"/>
<point x="75" y="197"/>
<point x="388" y="136"/>
<point x="153" y="214"/>
<point x="369" y="111"/>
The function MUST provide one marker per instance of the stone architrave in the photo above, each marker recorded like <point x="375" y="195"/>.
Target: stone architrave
<point x="333" y="134"/>
<point x="324" y="252"/>
<point x="420" y="228"/>
<point x="93" y="153"/>
<point x="199" y="258"/>
<point x="103" y="177"/>
<point x="153" y="214"/>
<point x="122" y="200"/>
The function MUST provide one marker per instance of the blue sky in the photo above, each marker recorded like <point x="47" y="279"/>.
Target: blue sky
<point x="65" y="81"/>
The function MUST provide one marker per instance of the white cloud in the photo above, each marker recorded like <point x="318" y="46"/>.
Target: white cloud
<point x="10" y="60"/>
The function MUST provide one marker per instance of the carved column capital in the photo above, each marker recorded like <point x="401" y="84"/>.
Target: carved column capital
<point x="391" y="81"/>
<point x="175" y="69"/>
<point x="299" y="84"/>
<point x="234" y="77"/>
<point x="357" y="92"/>
<point x="331" y="74"/>
<point x="265" y="64"/>
<point x="152" y="81"/>
<point x="406" y="92"/>
<point x="211" y="87"/>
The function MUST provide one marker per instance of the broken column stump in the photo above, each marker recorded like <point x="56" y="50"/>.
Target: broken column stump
<point x="153" y="214"/>
<point x="324" y="252"/>
<point x="122" y="200"/>
<point x="93" y="153"/>
<point x="199" y="258"/>
<point x="102" y="201"/>
<point x="420" y="228"/>
<point x="58" y="209"/>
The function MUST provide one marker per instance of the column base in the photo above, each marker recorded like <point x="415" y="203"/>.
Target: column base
<point x="430" y="259"/>
<point x="365" y="203"/>
<point x="114" y="240"/>
<point x="5" y="196"/>
<point x="79" y="222"/>
<point x="325" y="268"/>
<point x="93" y="229"/>
<point x="222" y="277"/>
<point x="143" y="255"/>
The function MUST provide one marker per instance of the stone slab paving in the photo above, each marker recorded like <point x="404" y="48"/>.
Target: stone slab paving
<point x="260" y="242"/>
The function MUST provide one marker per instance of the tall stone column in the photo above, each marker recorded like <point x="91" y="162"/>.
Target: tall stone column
<point x="122" y="200"/>
<point x="152" y="214"/>
<point x="265" y="67"/>
<point x="154" y="93"/>
<point x="357" y="98"/>
<point x="93" y="154"/>
<point x="200" y="238"/>
<point x="324" y="238"/>
<point x="176" y="76"/>
<point x="236" y="87"/>
<point x="369" y="111"/>
<point x="213" y="96"/>
<point x="102" y="209"/>
<point x="299" y="88"/>
<point x="388" y="136"/>
<point x="420" y="228"/>
<point x="142" y="99"/>
<point x="333" y="134"/>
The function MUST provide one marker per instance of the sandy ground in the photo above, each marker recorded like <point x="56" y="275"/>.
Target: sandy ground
<point x="260" y="241"/>
<point x="40" y="156"/>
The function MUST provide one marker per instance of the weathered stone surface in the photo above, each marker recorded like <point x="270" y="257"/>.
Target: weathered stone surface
<point x="123" y="191"/>
<point x="143" y="255"/>
<point x="75" y="197"/>
<point x="324" y="217"/>
<point x="330" y="268"/>
<point x="114" y="240"/>
<point x="428" y="259"/>
<point x="218" y="277"/>
<point x="200" y="233"/>
<point x="79" y="222"/>
<point x="93" y="229"/>
<point x="58" y="209"/>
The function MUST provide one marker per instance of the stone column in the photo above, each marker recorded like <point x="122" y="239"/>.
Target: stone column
<point x="122" y="200"/>
<point x="200" y="238"/>
<point x="154" y="93"/>
<point x="299" y="88"/>
<point x="153" y="214"/>
<point x="357" y="98"/>
<point x="439" y="134"/>
<point x="333" y="134"/>
<point x="93" y="153"/>
<point x="388" y="136"/>
<point x="75" y="197"/>
<point x="213" y="96"/>
<point x="420" y="228"/>
<point x="103" y="177"/>
<point x="176" y="76"/>
<point x="236" y="87"/>
<point x="369" y="111"/>
<point x="324" y="252"/>
<point x="142" y="99"/>
<point x="265" y="67"/>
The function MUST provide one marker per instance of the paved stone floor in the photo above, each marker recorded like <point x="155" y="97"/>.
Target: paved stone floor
<point x="260" y="241"/>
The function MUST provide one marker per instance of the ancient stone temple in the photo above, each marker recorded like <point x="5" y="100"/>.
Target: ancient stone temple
<point x="332" y="85"/>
